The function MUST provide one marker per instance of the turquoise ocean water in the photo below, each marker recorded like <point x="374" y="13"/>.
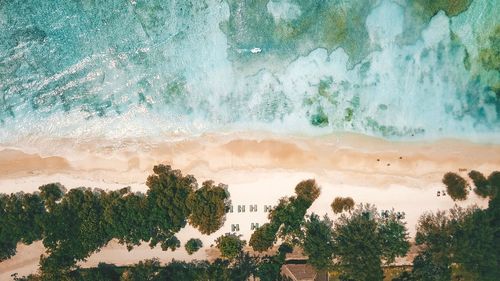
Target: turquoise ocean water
<point x="117" y="69"/>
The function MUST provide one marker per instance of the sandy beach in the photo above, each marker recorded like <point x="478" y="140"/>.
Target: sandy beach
<point x="259" y="169"/>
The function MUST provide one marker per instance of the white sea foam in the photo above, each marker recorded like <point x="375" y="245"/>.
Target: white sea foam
<point x="283" y="10"/>
<point x="179" y="77"/>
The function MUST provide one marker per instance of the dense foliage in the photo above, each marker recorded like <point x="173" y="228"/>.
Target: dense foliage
<point x="342" y="204"/>
<point x="244" y="266"/>
<point x="167" y="203"/>
<point x="287" y="218"/>
<point x="468" y="239"/>
<point x="72" y="225"/>
<point x="482" y="185"/>
<point x="461" y="244"/>
<point x="364" y="239"/>
<point x="208" y="207"/>
<point x="193" y="245"/>
<point x="126" y="216"/>
<point x="264" y="237"/>
<point x="318" y="242"/>
<point x="307" y="190"/>
<point x="21" y="218"/>
<point x="74" y="229"/>
<point x="230" y="245"/>
<point x="456" y="186"/>
<point x="485" y="187"/>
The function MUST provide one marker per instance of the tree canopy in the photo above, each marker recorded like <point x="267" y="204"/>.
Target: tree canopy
<point x="193" y="245"/>
<point x="230" y="245"/>
<point x="266" y="268"/>
<point x="264" y="237"/>
<point x="494" y="180"/>
<point x="307" y="190"/>
<point x="456" y="186"/>
<point x="74" y="224"/>
<point x="127" y="216"/>
<point x="467" y="238"/>
<point x="208" y="207"/>
<point x="287" y="218"/>
<point x="168" y="191"/>
<point x="285" y="222"/>
<point x="74" y="229"/>
<point x="481" y="183"/>
<point x="21" y="218"/>
<point x="460" y="243"/>
<point x="361" y="239"/>
<point x="318" y="242"/>
<point x="342" y="204"/>
<point x="52" y="193"/>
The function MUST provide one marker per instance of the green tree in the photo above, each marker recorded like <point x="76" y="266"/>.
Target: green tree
<point x="31" y="214"/>
<point x="193" y="245"/>
<point x="10" y="209"/>
<point x="167" y="199"/>
<point x="405" y="276"/>
<point x="485" y="187"/>
<point x="426" y="269"/>
<point x="208" y="207"/>
<point x="341" y="204"/>
<point x="307" y="190"/>
<point x="52" y="193"/>
<point x="482" y="185"/>
<point x="393" y="235"/>
<point x="74" y="229"/>
<point x="434" y="233"/>
<point x="356" y="248"/>
<point x="456" y="186"/>
<point x="147" y="270"/>
<point x="318" y="243"/>
<point x="263" y="237"/>
<point x="243" y="267"/>
<point x="268" y="268"/>
<point x="494" y="180"/>
<point x="288" y="215"/>
<point x="493" y="212"/>
<point x="171" y="243"/>
<point x="183" y="271"/>
<point x="287" y="218"/>
<point x="8" y="238"/>
<point x="103" y="272"/>
<point x="219" y="270"/>
<point x="76" y="223"/>
<point x="21" y="217"/>
<point x="450" y="237"/>
<point x="230" y="245"/>
<point x="284" y="249"/>
<point x="472" y="242"/>
<point x="360" y="241"/>
<point x="126" y="216"/>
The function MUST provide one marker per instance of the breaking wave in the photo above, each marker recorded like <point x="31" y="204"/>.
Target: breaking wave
<point x="156" y="69"/>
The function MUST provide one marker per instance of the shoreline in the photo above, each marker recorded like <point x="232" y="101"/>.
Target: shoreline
<point x="209" y="156"/>
<point x="269" y="166"/>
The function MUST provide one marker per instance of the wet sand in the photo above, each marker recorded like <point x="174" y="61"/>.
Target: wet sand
<point x="359" y="159"/>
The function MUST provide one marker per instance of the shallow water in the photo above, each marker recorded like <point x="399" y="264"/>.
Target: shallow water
<point x="161" y="69"/>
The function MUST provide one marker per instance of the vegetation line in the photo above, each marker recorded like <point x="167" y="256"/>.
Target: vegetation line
<point x="459" y="244"/>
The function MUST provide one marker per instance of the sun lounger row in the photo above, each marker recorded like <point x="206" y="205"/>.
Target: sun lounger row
<point x="251" y="208"/>
<point x="236" y="227"/>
